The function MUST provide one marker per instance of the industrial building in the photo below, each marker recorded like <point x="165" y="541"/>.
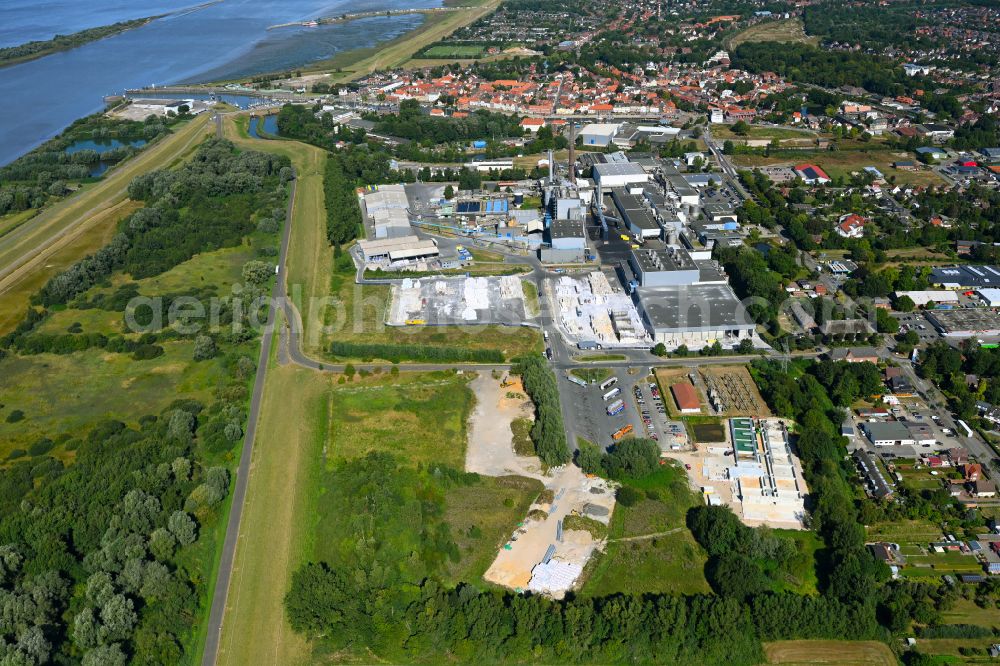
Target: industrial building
<point x="618" y="174"/>
<point x="568" y="235"/>
<point x="965" y="322"/>
<point x="694" y="315"/>
<point x="599" y="134"/>
<point x="397" y="250"/>
<point x="662" y="267"/>
<point x="896" y="433"/>
<point x="686" y="397"/>
<point x="811" y="174"/>
<point x="923" y="297"/>
<point x="636" y="214"/>
<point x="965" y="277"/>
<point x="766" y="475"/>
<point x="386" y="207"/>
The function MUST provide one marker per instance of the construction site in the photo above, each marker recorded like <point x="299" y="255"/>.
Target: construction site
<point x="754" y="471"/>
<point x="591" y="311"/>
<point x="451" y="301"/>
<point x="541" y="555"/>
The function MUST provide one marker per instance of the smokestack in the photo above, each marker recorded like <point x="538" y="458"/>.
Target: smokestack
<point x="572" y="152"/>
<point x="552" y="168"/>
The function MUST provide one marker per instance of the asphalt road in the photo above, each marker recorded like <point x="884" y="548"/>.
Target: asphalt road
<point x="221" y="593"/>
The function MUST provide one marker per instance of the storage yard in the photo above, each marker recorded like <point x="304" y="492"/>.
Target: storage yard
<point x="540" y="555"/>
<point x="590" y="310"/>
<point x="472" y="300"/>
<point x="721" y="390"/>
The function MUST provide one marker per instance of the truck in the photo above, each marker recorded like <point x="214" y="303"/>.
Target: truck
<point x="617" y="407"/>
<point x="963" y="426"/>
<point x="612" y="393"/>
<point x="608" y="383"/>
<point x="576" y="380"/>
<point x="621" y="432"/>
<point x="587" y="344"/>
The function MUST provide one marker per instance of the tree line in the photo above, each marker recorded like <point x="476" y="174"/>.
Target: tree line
<point x="395" y="353"/>
<point x="547" y="432"/>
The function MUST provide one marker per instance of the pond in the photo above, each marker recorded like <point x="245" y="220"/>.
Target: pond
<point x="97" y="169"/>
<point x="260" y="127"/>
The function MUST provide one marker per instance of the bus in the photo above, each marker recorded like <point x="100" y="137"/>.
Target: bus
<point x="612" y="393"/>
<point x="608" y="383"/>
<point x="617" y="407"/>
<point x="618" y="434"/>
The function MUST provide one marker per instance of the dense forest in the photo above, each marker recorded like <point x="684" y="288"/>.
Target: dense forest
<point x="413" y="124"/>
<point x="105" y="559"/>
<point x="831" y="69"/>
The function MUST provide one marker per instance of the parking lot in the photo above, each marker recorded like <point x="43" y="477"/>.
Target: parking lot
<point x="917" y="322"/>
<point x="643" y="411"/>
<point x="910" y="410"/>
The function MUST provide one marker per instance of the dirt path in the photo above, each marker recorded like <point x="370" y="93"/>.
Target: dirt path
<point x="650" y="536"/>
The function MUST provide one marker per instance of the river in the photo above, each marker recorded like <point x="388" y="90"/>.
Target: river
<point x="228" y="39"/>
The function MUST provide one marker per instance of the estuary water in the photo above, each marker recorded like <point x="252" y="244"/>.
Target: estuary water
<point x="194" y="43"/>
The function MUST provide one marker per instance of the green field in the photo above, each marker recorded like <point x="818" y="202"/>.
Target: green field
<point x="591" y="375"/>
<point x="723" y="132"/>
<point x="790" y="30"/>
<point x="452" y="51"/>
<point x="835" y="653"/>
<point x="418" y="417"/>
<point x="670" y="561"/>
<point x="292" y="510"/>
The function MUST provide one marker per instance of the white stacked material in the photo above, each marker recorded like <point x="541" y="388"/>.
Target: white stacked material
<point x="554" y="576"/>
<point x="600" y="322"/>
<point x="599" y="284"/>
<point x="441" y="287"/>
<point x="469" y="314"/>
<point x="510" y="287"/>
<point x="476" y="293"/>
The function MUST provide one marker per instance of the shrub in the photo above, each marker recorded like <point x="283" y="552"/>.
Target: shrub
<point x="15" y="416"/>
<point x="628" y="496"/>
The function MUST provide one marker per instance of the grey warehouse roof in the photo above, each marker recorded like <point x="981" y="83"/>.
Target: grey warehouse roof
<point x="693" y="308"/>
<point x="619" y="169"/>
<point x="567" y="229"/>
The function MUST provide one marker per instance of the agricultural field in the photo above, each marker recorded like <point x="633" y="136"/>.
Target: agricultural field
<point x="650" y="548"/>
<point x="789" y="30"/>
<point x="834" y="653"/>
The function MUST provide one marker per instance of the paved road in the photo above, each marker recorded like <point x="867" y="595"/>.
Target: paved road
<point x="221" y="594"/>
